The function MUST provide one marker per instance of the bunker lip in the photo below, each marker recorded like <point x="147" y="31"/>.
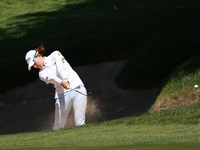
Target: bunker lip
<point x="33" y="106"/>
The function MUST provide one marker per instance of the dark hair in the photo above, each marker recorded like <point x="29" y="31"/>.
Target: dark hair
<point x="41" y="49"/>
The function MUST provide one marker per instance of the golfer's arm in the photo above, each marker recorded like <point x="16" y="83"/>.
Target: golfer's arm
<point x="50" y="78"/>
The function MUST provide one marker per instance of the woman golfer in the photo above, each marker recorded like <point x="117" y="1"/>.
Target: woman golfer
<point x="68" y="86"/>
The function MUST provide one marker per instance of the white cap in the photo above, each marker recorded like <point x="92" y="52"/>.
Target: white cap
<point x="30" y="55"/>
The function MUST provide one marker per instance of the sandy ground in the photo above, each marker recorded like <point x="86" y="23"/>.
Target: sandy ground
<point x="34" y="107"/>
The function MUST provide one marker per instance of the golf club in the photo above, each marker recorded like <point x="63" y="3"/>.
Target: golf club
<point x="88" y="93"/>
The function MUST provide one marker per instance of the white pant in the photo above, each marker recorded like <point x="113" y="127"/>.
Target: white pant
<point x="63" y="105"/>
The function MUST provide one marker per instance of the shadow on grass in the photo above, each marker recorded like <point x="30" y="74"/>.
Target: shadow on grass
<point x="156" y="36"/>
<point x="85" y="33"/>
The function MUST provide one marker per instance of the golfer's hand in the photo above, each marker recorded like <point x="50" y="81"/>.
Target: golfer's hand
<point x="65" y="84"/>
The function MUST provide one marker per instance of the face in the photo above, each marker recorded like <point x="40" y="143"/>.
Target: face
<point x="39" y="62"/>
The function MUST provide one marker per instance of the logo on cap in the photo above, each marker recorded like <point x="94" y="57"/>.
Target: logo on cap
<point x="28" y="59"/>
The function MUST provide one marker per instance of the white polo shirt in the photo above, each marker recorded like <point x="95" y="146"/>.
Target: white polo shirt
<point x="56" y="69"/>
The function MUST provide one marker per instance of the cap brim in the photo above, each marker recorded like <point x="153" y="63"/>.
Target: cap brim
<point x="30" y="65"/>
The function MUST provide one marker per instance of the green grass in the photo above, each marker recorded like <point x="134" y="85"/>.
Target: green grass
<point x="179" y="89"/>
<point x="153" y="36"/>
<point x="174" y="129"/>
<point x="108" y="137"/>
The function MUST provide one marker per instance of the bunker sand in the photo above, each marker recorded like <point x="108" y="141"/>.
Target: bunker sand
<point x="31" y="108"/>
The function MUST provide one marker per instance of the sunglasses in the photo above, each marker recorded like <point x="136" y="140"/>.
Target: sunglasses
<point x="35" y="55"/>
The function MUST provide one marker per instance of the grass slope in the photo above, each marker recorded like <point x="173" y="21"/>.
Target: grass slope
<point x="179" y="89"/>
<point x="175" y="129"/>
<point x="155" y="36"/>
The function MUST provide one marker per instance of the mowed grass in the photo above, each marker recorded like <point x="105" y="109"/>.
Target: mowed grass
<point x="109" y="137"/>
<point x="173" y="129"/>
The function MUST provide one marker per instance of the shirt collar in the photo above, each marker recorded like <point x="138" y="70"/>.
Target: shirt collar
<point x="46" y="62"/>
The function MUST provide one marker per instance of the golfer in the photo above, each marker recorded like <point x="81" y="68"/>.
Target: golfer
<point x="69" y="89"/>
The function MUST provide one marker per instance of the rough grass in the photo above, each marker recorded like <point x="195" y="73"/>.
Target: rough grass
<point x="179" y="89"/>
